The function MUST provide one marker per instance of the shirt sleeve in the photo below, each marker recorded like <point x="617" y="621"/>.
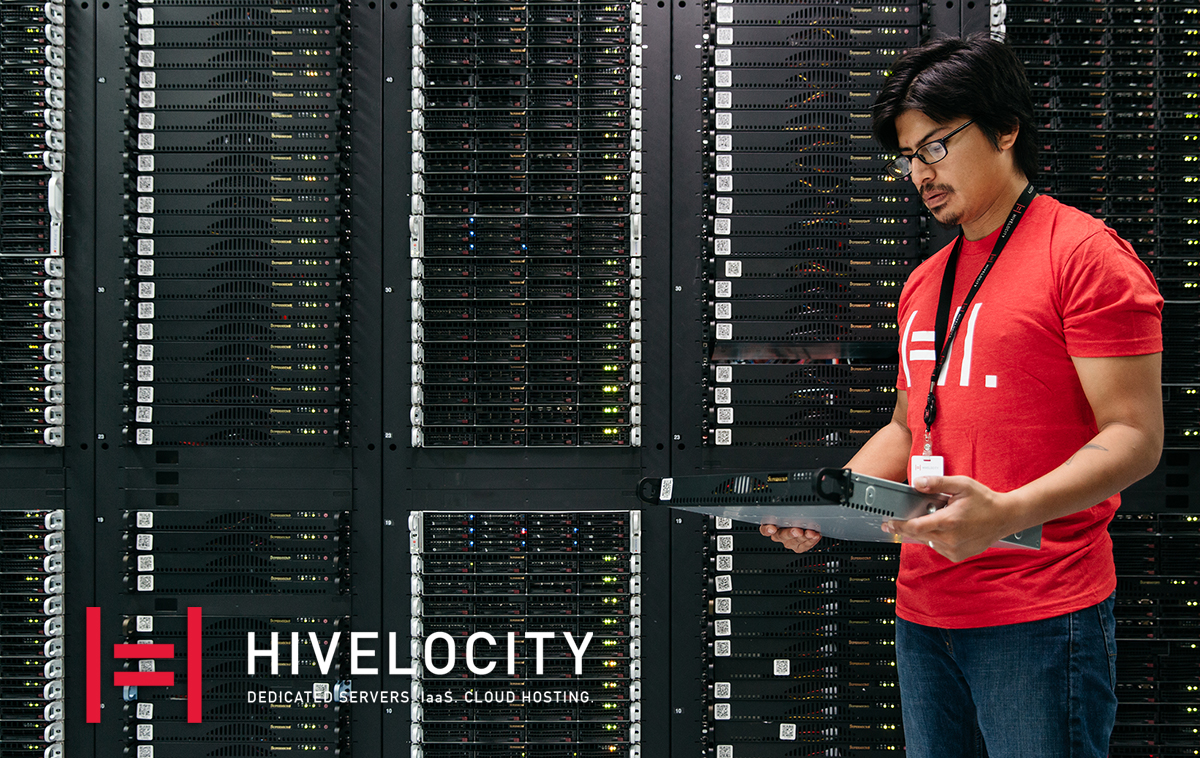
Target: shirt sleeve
<point x="1109" y="299"/>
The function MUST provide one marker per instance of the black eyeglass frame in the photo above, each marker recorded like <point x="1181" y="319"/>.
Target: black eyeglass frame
<point x="901" y="166"/>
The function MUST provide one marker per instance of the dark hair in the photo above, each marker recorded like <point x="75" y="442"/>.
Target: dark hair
<point x="950" y="77"/>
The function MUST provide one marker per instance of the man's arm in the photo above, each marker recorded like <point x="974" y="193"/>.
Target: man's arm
<point x="885" y="455"/>
<point x="1125" y="394"/>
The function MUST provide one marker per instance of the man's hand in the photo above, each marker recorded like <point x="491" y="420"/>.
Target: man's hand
<point x="973" y="519"/>
<point x="796" y="540"/>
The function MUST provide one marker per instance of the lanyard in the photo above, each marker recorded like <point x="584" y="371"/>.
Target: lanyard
<point x="944" y="341"/>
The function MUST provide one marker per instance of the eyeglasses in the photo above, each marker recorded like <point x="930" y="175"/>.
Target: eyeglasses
<point x="929" y="153"/>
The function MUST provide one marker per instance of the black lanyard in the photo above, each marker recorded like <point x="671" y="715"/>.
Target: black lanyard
<point x="942" y="341"/>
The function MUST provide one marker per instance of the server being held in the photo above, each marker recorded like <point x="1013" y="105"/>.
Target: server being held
<point x="1030" y="361"/>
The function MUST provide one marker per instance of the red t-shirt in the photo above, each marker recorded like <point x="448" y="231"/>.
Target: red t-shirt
<point x="1011" y="408"/>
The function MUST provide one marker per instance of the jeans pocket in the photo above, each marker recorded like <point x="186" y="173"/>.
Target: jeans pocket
<point x="1108" y="629"/>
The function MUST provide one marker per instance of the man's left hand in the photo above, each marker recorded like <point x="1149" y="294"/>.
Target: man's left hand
<point x="971" y="522"/>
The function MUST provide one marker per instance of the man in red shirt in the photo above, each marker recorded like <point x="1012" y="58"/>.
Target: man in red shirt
<point x="1047" y="403"/>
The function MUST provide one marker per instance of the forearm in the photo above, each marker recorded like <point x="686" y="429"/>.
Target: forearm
<point x="1118" y="456"/>
<point x="885" y="454"/>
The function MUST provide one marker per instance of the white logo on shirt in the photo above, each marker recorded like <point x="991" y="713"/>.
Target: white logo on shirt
<point x="919" y="346"/>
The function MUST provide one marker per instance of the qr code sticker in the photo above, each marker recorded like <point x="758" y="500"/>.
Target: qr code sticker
<point x="723" y="751"/>
<point x="782" y="667"/>
<point x="145" y="310"/>
<point x="724" y="437"/>
<point x="723" y="246"/>
<point x="144" y="542"/>
<point x="145" y="711"/>
<point x="146" y="58"/>
<point x="724" y="141"/>
<point x="146" y="98"/>
<point x="723" y="57"/>
<point x="725" y="14"/>
<point x="721" y="711"/>
<point x="724" y="181"/>
<point x="724" y="415"/>
<point x="145" y="204"/>
<point x="145" y="519"/>
<point x="146" y="664"/>
<point x="145" y="732"/>
<point x="145" y="437"/>
<point x="666" y="488"/>
<point x="145" y="352"/>
<point x="145" y="394"/>
<point x="145" y="583"/>
<point x="145" y="623"/>
<point x="145" y="267"/>
<point x="724" y="163"/>
<point x="733" y="269"/>
<point x="320" y="690"/>
<point x="146" y="290"/>
<point x="724" y="331"/>
<point x="723" y="605"/>
<point x="145" y="184"/>
<point x="145" y="163"/>
<point x="724" y="311"/>
<point x="144" y="414"/>
<point x="725" y="543"/>
<point x="722" y="690"/>
<point x="724" y="35"/>
<point x="725" y="204"/>
<point x="724" y="563"/>
<point x="722" y="226"/>
<point x="723" y="649"/>
<point x="145" y="563"/>
<point x="724" y="373"/>
<point x="724" y="628"/>
<point x="724" y="583"/>
<point x="722" y="521"/>
<point x="787" y="731"/>
<point x="145" y="751"/>
<point x="723" y="288"/>
<point x="724" y="78"/>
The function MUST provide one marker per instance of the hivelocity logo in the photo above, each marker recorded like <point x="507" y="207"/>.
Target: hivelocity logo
<point x="146" y="678"/>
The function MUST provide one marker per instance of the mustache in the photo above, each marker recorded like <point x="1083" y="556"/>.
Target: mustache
<point x="931" y="189"/>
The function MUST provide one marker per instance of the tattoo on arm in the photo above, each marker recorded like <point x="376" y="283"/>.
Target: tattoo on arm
<point x="1088" y="446"/>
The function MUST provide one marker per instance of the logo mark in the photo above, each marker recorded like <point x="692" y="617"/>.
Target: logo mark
<point x="195" y="671"/>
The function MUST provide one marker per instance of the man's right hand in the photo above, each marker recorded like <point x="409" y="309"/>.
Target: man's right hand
<point x="796" y="540"/>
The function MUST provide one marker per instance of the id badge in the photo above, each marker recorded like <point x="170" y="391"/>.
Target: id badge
<point x="925" y="465"/>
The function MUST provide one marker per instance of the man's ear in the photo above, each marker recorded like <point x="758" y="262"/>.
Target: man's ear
<point x="1006" y="139"/>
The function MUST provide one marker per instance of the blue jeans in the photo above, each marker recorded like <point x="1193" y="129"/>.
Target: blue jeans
<point x="1043" y="689"/>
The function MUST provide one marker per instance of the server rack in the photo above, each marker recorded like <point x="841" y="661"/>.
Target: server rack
<point x="216" y="389"/>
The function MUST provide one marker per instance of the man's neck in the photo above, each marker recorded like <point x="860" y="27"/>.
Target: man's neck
<point x="997" y="212"/>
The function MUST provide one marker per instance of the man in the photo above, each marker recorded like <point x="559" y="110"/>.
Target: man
<point x="1047" y="404"/>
